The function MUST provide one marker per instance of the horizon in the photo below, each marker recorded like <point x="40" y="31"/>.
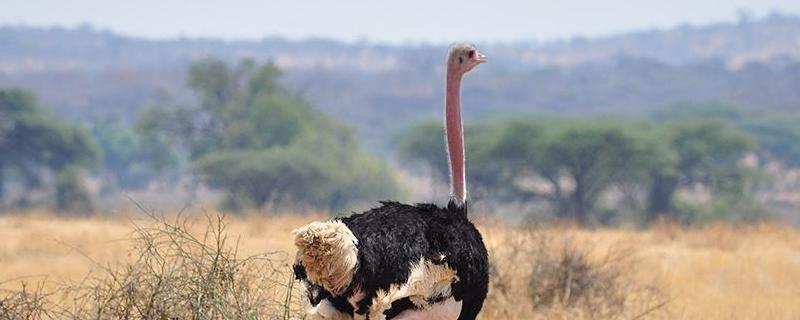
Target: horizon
<point x="297" y="22"/>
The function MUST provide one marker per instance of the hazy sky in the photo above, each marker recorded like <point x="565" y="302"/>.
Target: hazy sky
<point x="385" y="21"/>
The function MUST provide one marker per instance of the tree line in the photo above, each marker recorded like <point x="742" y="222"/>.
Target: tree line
<point x="249" y="137"/>
<point x="246" y="136"/>
<point x="689" y="162"/>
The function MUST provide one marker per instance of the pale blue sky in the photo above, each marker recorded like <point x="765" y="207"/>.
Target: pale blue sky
<point x="384" y="21"/>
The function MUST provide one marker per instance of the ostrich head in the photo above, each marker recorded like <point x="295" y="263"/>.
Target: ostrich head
<point x="463" y="57"/>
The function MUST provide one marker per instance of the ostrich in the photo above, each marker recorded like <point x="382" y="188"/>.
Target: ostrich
<point x="401" y="261"/>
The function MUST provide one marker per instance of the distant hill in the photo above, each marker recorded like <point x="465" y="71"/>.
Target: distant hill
<point x="775" y="37"/>
<point x="85" y="73"/>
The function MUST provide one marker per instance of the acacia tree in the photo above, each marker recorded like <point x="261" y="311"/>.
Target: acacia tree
<point x="595" y="155"/>
<point x="706" y="152"/>
<point x="579" y="159"/>
<point x="33" y="143"/>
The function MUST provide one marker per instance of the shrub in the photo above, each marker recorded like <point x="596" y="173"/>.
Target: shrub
<point x="174" y="273"/>
<point x="565" y="279"/>
<point x="24" y="304"/>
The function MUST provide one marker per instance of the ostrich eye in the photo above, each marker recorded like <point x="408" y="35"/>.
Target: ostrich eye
<point x="471" y="54"/>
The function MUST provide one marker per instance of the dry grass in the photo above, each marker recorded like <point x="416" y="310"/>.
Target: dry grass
<point x="557" y="272"/>
<point x="561" y="277"/>
<point x="175" y="268"/>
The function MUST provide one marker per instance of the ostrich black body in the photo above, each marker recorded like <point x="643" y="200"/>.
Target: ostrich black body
<point x="394" y="236"/>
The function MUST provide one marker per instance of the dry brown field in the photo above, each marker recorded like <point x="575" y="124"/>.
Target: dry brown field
<point x="717" y="271"/>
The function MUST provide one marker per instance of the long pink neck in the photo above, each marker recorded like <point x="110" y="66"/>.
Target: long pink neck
<point x="455" y="136"/>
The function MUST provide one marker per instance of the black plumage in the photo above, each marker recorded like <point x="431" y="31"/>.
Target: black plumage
<point x="395" y="235"/>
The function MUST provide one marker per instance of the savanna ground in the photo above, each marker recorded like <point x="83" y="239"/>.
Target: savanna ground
<point x="143" y="268"/>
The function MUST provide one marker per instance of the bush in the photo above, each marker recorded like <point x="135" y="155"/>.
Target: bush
<point x="569" y="279"/>
<point x="25" y="304"/>
<point x="566" y="279"/>
<point x="175" y="273"/>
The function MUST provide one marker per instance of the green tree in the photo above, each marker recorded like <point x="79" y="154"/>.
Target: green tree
<point x="131" y="158"/>
<point x="708" y="153"/>
<point x="239" y="108"/>
<point x="579" y="159"/>
<point x="505" y="154"/>
<point x="423" y="144"/>
<point x="595" y="155"/>
<point x="33" y="142"/>
<point x="261" y="143"/>
<point x="573" y="163"/>
<point x="316" y="171"/>
<point x="777" y="137"/>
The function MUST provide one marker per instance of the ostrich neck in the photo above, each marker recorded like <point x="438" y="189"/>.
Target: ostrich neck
<point x="454" y="136"/>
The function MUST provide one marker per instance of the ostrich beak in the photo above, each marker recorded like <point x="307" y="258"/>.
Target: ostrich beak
<point x="480" y="57"/>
